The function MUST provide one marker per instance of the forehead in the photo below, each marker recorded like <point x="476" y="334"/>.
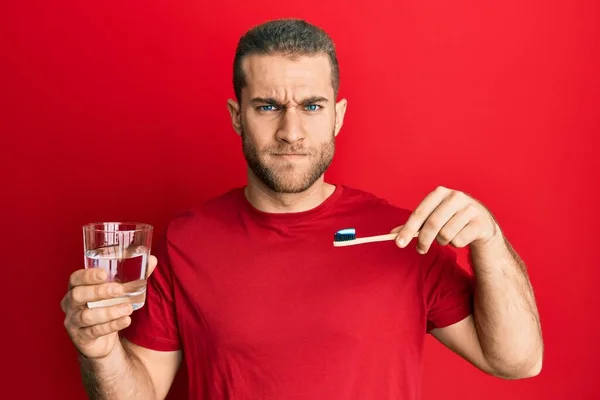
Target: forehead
<point x="281" y="76"/>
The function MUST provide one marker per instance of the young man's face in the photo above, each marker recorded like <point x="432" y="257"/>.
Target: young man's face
<point x="288" y="119"/>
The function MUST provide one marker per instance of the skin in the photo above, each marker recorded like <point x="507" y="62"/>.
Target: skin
<point x="288" y="107"/>
<point x="113" y="369"/>
<point x="503" y="336"/>
<point x="287" y="119"/>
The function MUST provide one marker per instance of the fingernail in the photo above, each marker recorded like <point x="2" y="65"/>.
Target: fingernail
<point x="421" y="251"/>
<point x="401" y="242"/>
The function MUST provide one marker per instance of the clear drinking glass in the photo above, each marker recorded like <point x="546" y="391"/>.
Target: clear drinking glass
<point x="122" y="250"/>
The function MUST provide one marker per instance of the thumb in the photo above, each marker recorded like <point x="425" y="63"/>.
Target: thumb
<point x="397" y="229"/>
<point x="402" y="240"/>
<point x="152" y="261"/>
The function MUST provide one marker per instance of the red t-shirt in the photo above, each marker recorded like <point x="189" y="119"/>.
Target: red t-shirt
<point x="264" y="307"/>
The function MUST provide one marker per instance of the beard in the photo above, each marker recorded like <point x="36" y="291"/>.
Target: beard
<point x="287" y="176"/>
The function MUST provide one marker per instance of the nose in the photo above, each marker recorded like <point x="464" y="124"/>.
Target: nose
<point x="290" y="127"/>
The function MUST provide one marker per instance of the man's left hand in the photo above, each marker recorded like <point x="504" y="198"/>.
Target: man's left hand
<point x="450" y="217"/>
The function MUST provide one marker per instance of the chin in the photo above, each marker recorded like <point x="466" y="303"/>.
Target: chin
<point x="290" y="187"/>
<point x="290" y="184"/>
<point x="287" y="178"/>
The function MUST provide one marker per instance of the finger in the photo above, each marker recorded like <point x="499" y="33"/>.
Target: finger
<point x="467" y="235"/>
<point x="442" y="215"/>
<point x="398" y="228"/>
<point x="96" y="331"/>
<point x="152" y="262"/>
<point x="455" y="225"/>
<point x="80" y="295"/>
<point x="88" y="276"/>
<point x="97" y="316"/>
<point x="64" y="302"/>
<point x="436" y="221"/>
<point x="420" y="215"/>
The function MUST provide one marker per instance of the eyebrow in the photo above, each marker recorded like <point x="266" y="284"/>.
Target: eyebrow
<point x="272" y="101"/>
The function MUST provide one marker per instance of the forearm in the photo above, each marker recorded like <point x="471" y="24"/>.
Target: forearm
<point x="120" y="375"/>
<point x="506" y="316"/>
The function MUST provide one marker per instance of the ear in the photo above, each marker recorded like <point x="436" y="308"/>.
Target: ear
<point x="234" y="111"/>
<point x="340" y="111"/>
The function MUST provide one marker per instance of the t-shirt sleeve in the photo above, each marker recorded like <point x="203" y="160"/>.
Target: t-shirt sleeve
<point x="154" y="326"/>
<point x="447" y="288"/>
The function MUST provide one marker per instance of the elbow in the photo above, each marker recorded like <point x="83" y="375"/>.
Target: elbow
<point x="532" y="371"/>
<point x="536" y="369"/>
<point x="521" y="369"/>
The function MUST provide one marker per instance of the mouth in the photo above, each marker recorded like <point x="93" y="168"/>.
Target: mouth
<point x="289" y="156"/>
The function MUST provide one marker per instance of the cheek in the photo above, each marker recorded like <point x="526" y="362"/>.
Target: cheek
<point x="259" y="130"/>
<point x="320" y="125"/>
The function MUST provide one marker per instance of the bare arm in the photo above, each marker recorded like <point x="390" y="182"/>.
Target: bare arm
<point x="504" y="336"/>
<point x="113" y="368"/>
<point x="130" y="372"/>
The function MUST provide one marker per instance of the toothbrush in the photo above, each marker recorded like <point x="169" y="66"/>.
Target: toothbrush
<point x="347" y="237"/>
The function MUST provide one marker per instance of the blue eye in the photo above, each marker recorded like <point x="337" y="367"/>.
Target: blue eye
<point x="268" y="107"/>
<point x="313" y="107"/>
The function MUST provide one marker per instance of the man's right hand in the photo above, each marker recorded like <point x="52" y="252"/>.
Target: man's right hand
<point x="94" y="331"/>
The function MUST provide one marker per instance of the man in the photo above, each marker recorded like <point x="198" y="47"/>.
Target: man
<point x="251" y="292"/>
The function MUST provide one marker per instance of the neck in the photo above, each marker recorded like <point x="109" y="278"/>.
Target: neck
<point x="266" y="200"/>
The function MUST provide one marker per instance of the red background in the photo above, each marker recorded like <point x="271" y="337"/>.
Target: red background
<point x="116" y="110"/>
